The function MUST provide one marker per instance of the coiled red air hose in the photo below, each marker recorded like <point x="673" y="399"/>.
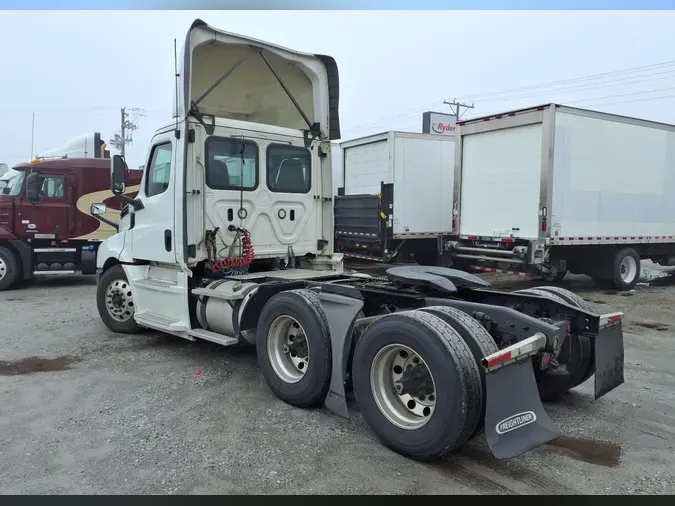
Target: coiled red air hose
<point x="243" y="261"/>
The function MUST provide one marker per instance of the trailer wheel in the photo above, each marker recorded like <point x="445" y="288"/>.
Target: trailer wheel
<point x="9" y="269"/>
<point x="626" y="269"/>
<point x="576" y="355"/>
<point x="115" y="301"/>
<point x="294" y="348"/>
<point x="551" y="277"/>
<point x="417" y="384"/>
<point x="478" y="339"/>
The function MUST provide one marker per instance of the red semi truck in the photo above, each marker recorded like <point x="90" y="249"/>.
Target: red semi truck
<point x="46" y="228"/>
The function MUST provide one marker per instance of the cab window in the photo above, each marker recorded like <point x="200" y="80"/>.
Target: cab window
<point x="159" y="170"/>
<point x="52" y="186"/>
<point x="289" y="169"/>
<point x="231" y="164"/>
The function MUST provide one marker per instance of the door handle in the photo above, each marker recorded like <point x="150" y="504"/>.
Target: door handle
<point x="167" y="240"/>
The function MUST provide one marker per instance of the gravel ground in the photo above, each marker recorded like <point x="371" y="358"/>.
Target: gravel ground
<point x="83" y="410"/>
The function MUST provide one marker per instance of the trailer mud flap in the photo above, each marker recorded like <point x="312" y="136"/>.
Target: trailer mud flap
<point x="515" y="419"/>
<point x="609" y="355"/>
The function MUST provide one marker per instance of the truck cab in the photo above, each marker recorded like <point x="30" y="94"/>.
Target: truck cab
<point x="239" y="182"/>
<point x="46" y="228"/>
<point x="230" y="240"/>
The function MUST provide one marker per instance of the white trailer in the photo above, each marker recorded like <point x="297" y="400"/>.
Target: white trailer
<point x="396" y="198"/>
<point x="552" y="189"/>
<point x="432" y="355"/>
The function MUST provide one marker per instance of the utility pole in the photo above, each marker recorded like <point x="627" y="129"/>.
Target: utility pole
<point x="128" y="124"/>
<point x="455" y="107"/>
<point x="123" y="130"/>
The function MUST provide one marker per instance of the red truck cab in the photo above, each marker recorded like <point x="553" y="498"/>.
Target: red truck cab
<point x="46" y="228"/>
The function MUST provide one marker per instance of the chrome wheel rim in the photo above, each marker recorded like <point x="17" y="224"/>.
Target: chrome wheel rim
<point x="628" y="269"/>
<point x="288" y="349"/>
<point x="405" y="410"/>
<point x="119" y="300"/>
<point x="3" y="268"/>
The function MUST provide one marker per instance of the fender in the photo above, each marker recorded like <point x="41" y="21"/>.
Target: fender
<point x="25" y="257"/>
<point x="112" y="249"/>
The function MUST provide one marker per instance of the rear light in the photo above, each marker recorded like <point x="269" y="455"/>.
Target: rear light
<point x="472" y="238"/>
<point x="507" y="239"/>
<point x="544" y="226"/>
<point x="454" y="224"/>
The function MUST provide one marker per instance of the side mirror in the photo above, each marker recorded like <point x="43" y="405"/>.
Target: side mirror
<point x="98" y="209"/>
<point x="33" y="186"/>
<point x="118" y="174"/>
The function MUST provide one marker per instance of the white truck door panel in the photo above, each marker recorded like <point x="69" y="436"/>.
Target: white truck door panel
<point x="500" y="187"/>
<point x="152" y="235"/>
<point x="280" y="182"/>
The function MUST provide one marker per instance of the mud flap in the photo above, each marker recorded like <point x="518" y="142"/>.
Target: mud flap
<point x="609" y="358"/>
<point x="515" y="419"/>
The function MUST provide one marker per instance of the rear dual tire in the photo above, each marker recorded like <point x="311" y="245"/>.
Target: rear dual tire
<point x="294" y="348"/>
<point x="446" y="341"/>
<point x="576" y="353"/>
<point x="432" y="427"/>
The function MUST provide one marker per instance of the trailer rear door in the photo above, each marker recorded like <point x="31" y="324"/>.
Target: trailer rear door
<point x="500" y="185"/>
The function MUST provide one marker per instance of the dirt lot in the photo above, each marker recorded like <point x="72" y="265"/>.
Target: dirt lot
<point x="83" y="410"/>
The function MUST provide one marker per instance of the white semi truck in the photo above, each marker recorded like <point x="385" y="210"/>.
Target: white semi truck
<point x="395" y="202"/>
<point x="230" y="240"/>
<point x="551" y="189"/>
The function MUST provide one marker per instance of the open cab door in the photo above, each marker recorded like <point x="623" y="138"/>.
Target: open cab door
<point x="249" y="151"/>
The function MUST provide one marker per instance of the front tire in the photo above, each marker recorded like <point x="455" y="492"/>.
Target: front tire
<point x="294" y="348"/>
<point x="115" y="301"/>
<point x="9" y="269"/>
<point x="436" y="406"/>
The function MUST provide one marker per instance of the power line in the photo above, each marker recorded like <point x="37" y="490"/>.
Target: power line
<point x="566" y="81"/>
<point x="664" y="97"/>
<point x="584" y="87"/>
<point x="619" y="82"/>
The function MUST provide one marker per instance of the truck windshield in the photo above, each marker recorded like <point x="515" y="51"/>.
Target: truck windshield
<point x="12" y="185"/>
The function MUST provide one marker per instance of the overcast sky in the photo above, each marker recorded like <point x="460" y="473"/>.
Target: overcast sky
<point x="75" y="70"/>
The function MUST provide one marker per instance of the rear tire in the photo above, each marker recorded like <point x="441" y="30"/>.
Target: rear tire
<point x="477" y="338"/>
<point x="576" y="354"/>
<point x="556" y="278"/>
<point x="455" y="408"/>
<point x="621" y="271"/>
<point x="9" y="269"/>
<point x="294" y="348"/>
<point x="575" y="300"/>
<point x="115" y="301"/>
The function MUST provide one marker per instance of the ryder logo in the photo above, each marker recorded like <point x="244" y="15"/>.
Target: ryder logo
<point x="442" y="128"/>
<point x="516" y="422"/>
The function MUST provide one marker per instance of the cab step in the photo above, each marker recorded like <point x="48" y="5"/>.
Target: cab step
<point x="159" y="322"/>
<point x="214" y="337"/>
